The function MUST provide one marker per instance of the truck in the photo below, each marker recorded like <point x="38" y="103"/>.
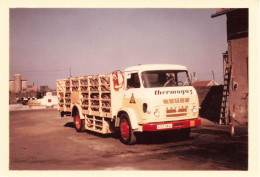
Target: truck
<point x="142" y="98"/>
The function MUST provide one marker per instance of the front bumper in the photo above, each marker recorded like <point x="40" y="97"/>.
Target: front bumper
<point x="160" y="126"/>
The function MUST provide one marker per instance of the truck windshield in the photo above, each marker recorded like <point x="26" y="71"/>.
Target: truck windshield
<point x="165" y="78"/>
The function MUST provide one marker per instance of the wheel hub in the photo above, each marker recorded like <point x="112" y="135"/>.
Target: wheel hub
<point x="124" y="129"/>
<point x="77" y="121"/>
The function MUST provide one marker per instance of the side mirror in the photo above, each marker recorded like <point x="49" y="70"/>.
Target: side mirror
<point x="128" y="76"/>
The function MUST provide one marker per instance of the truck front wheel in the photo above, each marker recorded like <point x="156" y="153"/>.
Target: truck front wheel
<point x="79" y="123"/>
<point x="126" y="133"/>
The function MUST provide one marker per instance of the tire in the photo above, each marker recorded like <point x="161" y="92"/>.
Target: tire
<point x="79" y="123"/>
<point x="126" y="133"/>
<point x="62" y="114"/>
<point x="185" y="133"/>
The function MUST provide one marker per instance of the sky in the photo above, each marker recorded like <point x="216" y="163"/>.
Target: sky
<point x="46" y="44"/>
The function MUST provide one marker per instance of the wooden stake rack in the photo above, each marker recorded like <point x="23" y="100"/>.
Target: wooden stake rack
<point x="93" y="94"/>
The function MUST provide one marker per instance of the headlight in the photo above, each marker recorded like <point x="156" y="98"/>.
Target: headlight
<point x="194" y="109"/>
<point x="145" y="108"/>
<point x="157" y="112"/>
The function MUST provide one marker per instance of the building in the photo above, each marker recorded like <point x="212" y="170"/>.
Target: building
<point x="17" y="85"/>
<point x="11" y="86"/>
<point x="204" y="83"/>
<point x="32" y="88"/>
<point x="24" y="85"/>
<point x="235" y="65"/>
<point x="45" y="88"/>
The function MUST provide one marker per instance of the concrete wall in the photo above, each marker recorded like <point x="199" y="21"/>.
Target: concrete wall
<point x="238" y="58"/>
<point x="237" y="38"/>
<point x="210" y="101"/>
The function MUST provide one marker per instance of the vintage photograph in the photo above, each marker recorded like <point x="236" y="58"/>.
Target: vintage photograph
<point x="133" y="89"/>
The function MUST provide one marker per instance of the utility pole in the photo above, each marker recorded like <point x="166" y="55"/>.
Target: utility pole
<point x="213" y="75"/>
<point x="70" y="72"/>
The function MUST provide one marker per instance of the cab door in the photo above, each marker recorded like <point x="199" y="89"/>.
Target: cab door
<point x="133" y="94"/>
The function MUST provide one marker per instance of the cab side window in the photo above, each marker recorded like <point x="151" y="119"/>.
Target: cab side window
<point x="133" y="81"/>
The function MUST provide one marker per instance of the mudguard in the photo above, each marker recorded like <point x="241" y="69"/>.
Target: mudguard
<point x="79" y="108"/>
<point x="132" y="117"/>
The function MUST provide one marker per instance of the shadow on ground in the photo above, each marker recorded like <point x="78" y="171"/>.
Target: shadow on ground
<point x="144" y="137"/>
<point x="71" y="125"/>
<point x="161" y="137"/>
<point x="233" y="154"/>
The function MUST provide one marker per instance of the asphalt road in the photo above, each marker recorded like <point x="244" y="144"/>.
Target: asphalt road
<point x="41" y="140"/>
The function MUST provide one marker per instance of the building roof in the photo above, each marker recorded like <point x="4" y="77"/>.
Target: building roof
<point x="204" y="83"/>
<point x="156" y="67"/>
<point x="222" y="11"/>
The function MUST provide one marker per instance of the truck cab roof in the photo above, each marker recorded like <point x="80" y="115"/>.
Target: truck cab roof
<point x="149" y="67"/>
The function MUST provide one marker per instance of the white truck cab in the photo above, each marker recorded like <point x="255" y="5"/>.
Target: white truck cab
<point x="159" y="97"/>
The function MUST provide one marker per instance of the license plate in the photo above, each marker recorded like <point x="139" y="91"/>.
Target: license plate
<point x="164" y="126"/>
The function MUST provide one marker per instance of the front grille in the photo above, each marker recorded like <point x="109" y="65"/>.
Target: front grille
<point x="171" y="111"/>
<point x="182" y="110"/>
<point x="177" y="112"/>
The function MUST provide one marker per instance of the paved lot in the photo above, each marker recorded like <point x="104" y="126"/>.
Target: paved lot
<point x="41" y="140"/>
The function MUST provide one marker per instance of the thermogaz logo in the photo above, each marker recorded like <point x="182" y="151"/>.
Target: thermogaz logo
<point x="179" y="92"/>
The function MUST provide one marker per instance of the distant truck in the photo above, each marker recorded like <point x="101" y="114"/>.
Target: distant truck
<point x="49" y="100"/>
<point x="140" y="99"/>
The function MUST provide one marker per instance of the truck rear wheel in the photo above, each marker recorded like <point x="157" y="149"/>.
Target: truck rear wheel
<point x="126" y="133"/>
<point x="79" y="123"/>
